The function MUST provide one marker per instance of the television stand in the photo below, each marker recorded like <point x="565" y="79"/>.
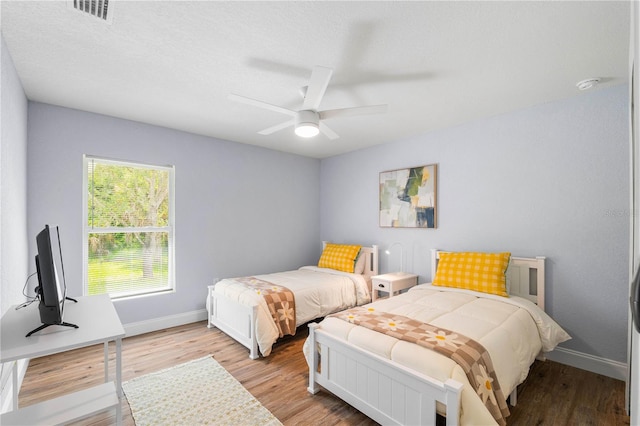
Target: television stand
<point x="64" y="324"/>
<point x="43" y="326"/>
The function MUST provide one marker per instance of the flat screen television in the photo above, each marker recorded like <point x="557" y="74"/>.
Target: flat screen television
<point x="52" y="288"/>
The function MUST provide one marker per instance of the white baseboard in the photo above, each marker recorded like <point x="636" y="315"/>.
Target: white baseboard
<point x="598" y="365"/>
<point x="147" y="326"/>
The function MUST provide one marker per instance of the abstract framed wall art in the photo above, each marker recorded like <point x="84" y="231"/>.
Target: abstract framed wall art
<point x="408" y="197"/>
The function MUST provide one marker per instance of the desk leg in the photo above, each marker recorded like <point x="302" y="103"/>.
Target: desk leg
<point x="14" y="381"/>
<point x="106" y="361"/>
<point x="119" y="380"/>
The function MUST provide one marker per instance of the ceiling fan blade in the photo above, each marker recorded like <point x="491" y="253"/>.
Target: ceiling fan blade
<point x="327" y="131"/>
<point x="261" y="104"/>
<point x="348" y="112"/>
<point x="277" y="127"/>
<point x="318" y="83"/>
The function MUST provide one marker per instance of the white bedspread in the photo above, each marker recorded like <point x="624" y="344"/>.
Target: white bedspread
<point x="318" y="292"/>
<point x="513" y="330"/>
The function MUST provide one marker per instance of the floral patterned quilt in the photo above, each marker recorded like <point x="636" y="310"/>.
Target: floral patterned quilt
<point x="280" y="301"/>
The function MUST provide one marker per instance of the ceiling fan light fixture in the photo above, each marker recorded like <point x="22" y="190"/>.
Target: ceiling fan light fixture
<point x="307" y="124"/>
<point x="307" y="130"/>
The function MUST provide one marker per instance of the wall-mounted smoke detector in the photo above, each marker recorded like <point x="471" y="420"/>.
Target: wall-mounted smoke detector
<point x="588" y="83"/>
<point x="99" y="9"/>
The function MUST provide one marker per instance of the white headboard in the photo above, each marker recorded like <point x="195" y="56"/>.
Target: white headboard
<point x="371" y="260"/>
<point x="525" y="276"/>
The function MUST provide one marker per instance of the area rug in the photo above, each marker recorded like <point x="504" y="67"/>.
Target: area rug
<point x="199" y="392"/>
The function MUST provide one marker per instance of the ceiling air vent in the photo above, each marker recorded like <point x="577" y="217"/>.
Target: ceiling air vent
<point x="96" y="8"/>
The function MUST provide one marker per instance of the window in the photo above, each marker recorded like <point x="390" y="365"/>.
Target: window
<point x="128" y="231"/>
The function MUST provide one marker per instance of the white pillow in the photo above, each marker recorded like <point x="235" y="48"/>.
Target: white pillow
<point x="360" y="262"/>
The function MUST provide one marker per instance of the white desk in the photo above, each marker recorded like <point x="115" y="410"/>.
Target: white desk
<point x="98" y="323"/>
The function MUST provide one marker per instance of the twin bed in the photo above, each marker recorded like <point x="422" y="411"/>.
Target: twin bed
<point x="395" y="381"/>
<point x="240" y="310"/>
<point x="436" y="349"/>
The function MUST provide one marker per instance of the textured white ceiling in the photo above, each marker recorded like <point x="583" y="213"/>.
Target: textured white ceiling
<point x="436" y="64"/>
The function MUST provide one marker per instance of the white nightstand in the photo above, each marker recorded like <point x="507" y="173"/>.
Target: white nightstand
<point x="391" y="283"/>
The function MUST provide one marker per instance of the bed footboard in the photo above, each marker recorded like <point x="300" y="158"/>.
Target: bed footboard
<point x="234" y="319"/>
<point x="380" y="388"/>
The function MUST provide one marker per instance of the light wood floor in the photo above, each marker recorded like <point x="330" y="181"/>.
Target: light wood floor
<point x="553" y="394"/>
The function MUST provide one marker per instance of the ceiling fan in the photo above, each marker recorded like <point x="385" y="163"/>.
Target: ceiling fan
<point x="308" y="121"/>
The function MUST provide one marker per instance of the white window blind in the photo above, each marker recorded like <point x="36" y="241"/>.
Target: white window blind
<point x="128" y="230"/>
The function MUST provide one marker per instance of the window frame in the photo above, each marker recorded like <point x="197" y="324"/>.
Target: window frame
<point x="88" y="229"/>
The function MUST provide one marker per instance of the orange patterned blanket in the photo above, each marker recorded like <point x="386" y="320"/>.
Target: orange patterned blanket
<point x="280" y="301"/>
<point x="469" y="354"/>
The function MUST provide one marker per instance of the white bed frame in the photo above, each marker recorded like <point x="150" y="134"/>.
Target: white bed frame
<point x="238" y="320"/>
<point x="388" y="392"/>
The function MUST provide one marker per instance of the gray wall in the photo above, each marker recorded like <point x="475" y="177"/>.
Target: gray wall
<point x="14" y="261"/>
<point x="550" y="180"/>
<point x="239" y="209"/>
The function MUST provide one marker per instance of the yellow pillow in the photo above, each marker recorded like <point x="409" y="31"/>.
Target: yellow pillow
<point x="339" y="256"/>
<point x="483" y="272"/>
